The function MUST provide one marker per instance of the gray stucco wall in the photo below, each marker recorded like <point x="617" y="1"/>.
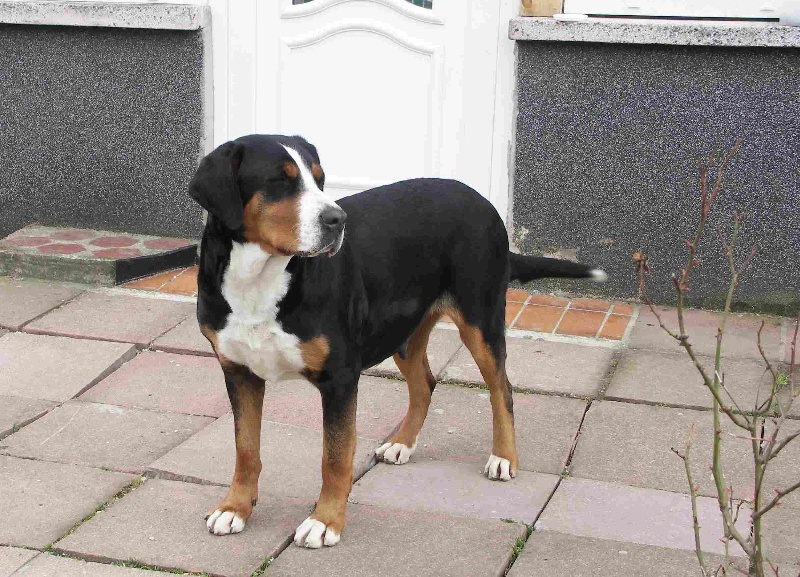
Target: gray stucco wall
<point x="608" y="138"/>
<point x="99" y="127"/>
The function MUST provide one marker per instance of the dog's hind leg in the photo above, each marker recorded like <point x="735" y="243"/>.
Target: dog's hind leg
<point x="421" y="382"/>
<point x="488" y="348"/>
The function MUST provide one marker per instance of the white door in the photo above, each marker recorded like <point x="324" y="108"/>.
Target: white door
<point x="386" y="89"/>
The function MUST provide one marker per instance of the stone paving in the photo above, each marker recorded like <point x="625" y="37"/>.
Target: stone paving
<point x="116" y="438"/>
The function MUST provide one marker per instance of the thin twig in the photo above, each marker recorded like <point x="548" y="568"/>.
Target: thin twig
<point x="693" y="496"/>
<point x="775" y="501"/>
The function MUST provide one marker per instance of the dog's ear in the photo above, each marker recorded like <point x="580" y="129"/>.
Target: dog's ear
<point x="310" y="148"/>
<point x="214" y="185"/>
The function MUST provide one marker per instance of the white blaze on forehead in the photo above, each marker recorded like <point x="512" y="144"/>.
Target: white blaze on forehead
<point x="312" y="202"/>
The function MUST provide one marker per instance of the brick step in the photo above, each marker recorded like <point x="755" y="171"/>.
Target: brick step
<point x="89" y="256"/>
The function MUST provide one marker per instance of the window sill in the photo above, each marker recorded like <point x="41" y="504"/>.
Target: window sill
<point x="105" y="14"/>
<point x="643" y="31"/>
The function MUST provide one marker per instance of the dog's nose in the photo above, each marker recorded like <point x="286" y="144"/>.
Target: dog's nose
<point x="333" y="218"/>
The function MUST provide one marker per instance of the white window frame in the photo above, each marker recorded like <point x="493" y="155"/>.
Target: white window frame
<point x="736" y="9"/>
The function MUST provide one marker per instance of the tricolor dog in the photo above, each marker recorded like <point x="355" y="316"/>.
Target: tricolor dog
<point x="293" y="284"/>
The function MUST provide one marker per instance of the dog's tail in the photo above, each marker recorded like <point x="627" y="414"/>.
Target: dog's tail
<point x="527" y="268"/>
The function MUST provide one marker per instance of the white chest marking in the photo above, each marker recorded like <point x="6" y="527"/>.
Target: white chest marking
<point x="254" y="284"/>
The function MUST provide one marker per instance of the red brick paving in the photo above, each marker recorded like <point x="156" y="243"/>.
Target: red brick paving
<point x="548" y="300"/>
<point x="167" y="243"/>
<point x="539" y="318"/>
<point x="27" y="241"/>
<point x="580" y="323"/>
<point x="61" y="248"/>
<point x="72" y="235"/>
<point x="117" y="253"/>
<point x="114" y="241"/>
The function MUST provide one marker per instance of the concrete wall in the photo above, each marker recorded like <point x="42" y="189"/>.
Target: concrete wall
<point x="608" y="137"/>
<point x="100" y="127"/>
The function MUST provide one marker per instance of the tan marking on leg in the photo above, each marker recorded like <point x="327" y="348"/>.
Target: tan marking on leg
<point x="209" y="334"/>
<point x="417" y="372"/>
<point x="339" y="447"/>
<point x="315" y="354"/>
<point x="247" y="398"/>
<point x="493" y="370"/>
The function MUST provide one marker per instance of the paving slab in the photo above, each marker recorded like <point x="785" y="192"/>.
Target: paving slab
<point x="560" y="555"/>
<point x="397" y="542"/>
<point x="23" y="300"/>
<point x="12" y="558"/>
<point x="46" y="565"/>
<point x="42" y="501"/>
<point x="161" y="524"/>
<point x="210" y="456"/>
<point x="114" y="317"/>
<point x="443" y="344"/>
<point x="166" y="382"/>
<point x="630" y="444"/>
<point x="781" y="526"/>
<point x="616" y="512"/>
<point x="186" y="338"/>
<point x="101" y="435"/>
<point x="382" y="404"/>
<point x="538" y="365"/>
<point x="456" y="489"/>
<point x="16" y="412"/>
<point x="672" y="379"/>
<point x="459" y="428"/>
<point x="56" y="368"/>
<point x="741" y="333"/>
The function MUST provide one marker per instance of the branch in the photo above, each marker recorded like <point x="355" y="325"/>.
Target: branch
<point x="766" y="360"/>
<point x="693" y="496"/>
<point x="772" y="453"/>
<point x="778" y="496"/>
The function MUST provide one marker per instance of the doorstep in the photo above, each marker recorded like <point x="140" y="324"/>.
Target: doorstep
<point x="90" y="256"/>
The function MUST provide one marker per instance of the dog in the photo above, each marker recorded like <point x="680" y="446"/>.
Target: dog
<point x="293" y="284"/>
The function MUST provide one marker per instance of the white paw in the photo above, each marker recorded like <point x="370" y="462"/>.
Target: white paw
<point x="225" y="523"/>
<point x="498" y="468"/>
<point x="396" y="453"/>
<point x="314" y="534"/>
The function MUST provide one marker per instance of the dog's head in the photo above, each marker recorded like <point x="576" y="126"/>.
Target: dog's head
<point x="268" y="189"/>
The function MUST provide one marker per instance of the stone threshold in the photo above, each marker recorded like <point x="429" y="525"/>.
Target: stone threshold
<point x="656" y="31"/>
<point x="148" y="15"/>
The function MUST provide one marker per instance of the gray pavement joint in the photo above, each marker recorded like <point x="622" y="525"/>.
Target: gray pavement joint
<point x="520" y="545"/>
<point x="133" y="485"/>
<point x="50" y="310"/>
<point x="609" y="376"/>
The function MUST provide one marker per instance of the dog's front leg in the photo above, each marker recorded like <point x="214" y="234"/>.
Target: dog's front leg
<point x="246" y="393"/>
<point x="324" y="526"/>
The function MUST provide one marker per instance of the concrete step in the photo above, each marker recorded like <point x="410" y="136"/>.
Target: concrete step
<point x="90" y="256"/>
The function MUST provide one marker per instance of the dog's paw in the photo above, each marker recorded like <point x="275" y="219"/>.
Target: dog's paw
<point x="498" y="468"/>
<point x="395" y="453"/>
<point x="314" y="534"/>
<point x="225" y="522"/>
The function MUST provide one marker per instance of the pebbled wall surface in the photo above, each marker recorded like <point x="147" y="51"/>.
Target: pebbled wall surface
<point x="100" y="128"/>
<point x="607" y="143"/>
